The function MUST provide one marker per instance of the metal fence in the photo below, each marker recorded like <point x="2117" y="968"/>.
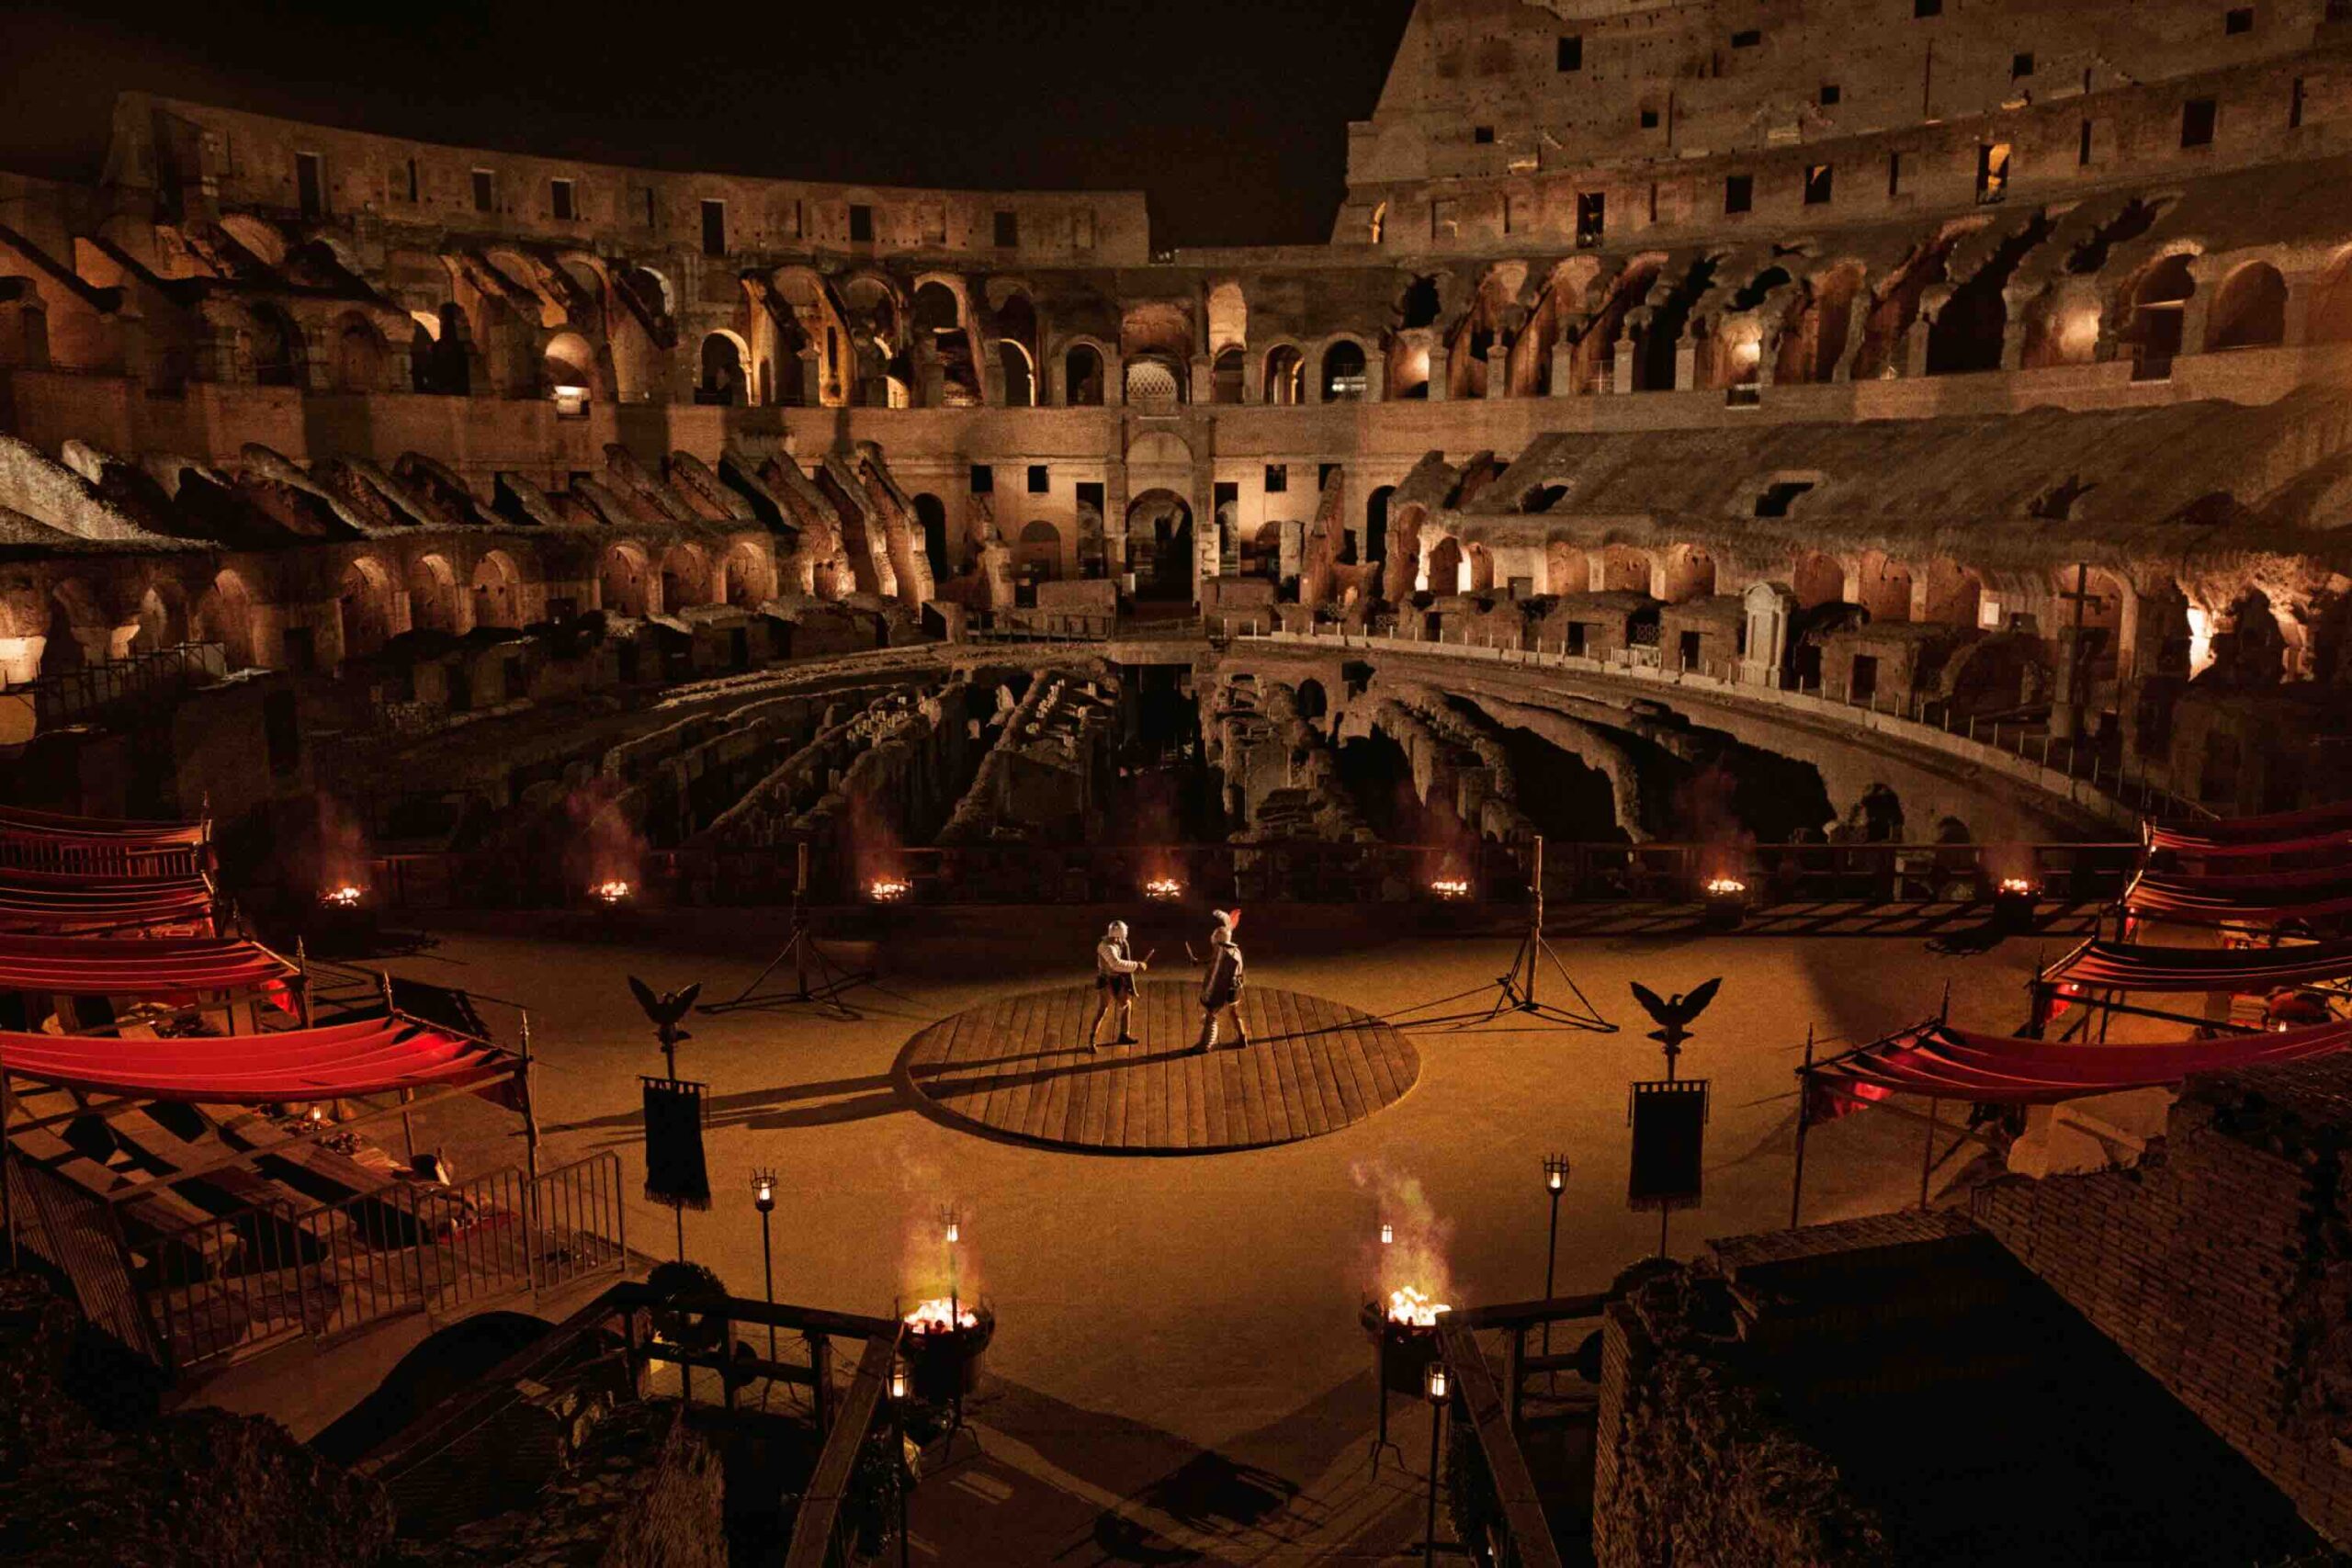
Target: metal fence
<point x="81" y="694"/>
<point x="246" y="1281"/>
<point x="79" y="1237"/>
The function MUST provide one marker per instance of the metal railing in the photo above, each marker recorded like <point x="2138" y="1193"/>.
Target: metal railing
<point x="91" y="857"/>
<point x="75" y="695"/>
<point x="270" y="1272"/>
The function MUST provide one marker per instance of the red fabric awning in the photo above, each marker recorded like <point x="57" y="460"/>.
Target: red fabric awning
<point x="2257" y="899"/>
<point x="55" y="904"/>
<point x="17" y="820"/>
<point x="2281" y="833"/>
<point x="372" y="1056"/>
<point x="136" y="966"/>
<point x="2129" y="967"/>
<point x="1954" y="1063"/>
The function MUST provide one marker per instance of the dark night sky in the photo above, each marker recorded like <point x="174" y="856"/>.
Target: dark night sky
<point x="1232" y="113"/>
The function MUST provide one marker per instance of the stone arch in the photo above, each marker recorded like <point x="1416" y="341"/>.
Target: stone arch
<point x="725" y="375"/>
<point x="1020" y="373"/>
<point x="225" y="614"/>
<point x="1375" y="523"/>
<point x="1955" y="595"/>
<point x="433" y="595"/>
<point x="1404" y="550"/>
<point x="444" y="365"/>
<point x="1314" y="702"/>
<point x="1228" y="374"/>
<point x="570" y="361"/>
<point x="277" y="355"/>
<point x="2249" y="310"/>
<point x="623" y="580"/>
<point x="1344" y="373"/>
<point x="1445" y="566"/>
<point x="163" y="617"/>
<point x="931" y="521"/>
<point x="1624" y="569"/>
<point x="1567" y="566"/>
<point x="1690" y="573"/>
<point x="745" y="577"/>
<point x="1482" y="567"/>
<point x="2159" y="312"/>
<point x="1038" y="556"/>
<point x="1883" y="586"/>
<point x="1161" y="543"/>
<point x="365" y="605"/>
<point x="75" y="631"/>
<point x="686" y="577"/>
<point x="359" y="354"/>
<point x="1228" y="316"/>
<point x="1817" y="580"/>
<point x="1083" y="376"/>
<point x="497" y="591"/>
<point x="1285" y="375"/>
<point x="1155" y="379"/>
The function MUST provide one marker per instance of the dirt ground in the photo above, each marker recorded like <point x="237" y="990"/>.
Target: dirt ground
<point x="1178" y="1374"/>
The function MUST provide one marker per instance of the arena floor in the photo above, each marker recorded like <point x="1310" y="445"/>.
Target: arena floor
<point x="1178" y="1374"/>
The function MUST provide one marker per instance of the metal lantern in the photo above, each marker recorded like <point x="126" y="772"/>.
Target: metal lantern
<point x="1435" y="1384"/>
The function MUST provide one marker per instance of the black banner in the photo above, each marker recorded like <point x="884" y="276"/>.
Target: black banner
<point x="674" y="1171"/>
<point x="1670" y="1119"/>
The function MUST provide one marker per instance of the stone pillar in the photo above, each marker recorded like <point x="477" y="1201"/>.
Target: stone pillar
<point x="1564" y="369"/>
<point x="1201" y="385"/>
<point x="1375" y="379"/>
<point x="1621" y="364"/>
<point x="1440" y="358"/>
<point x="2197" y="309"/>
<point x="1253" y="375"/>
<point x="1768" y="607"/>
<point x="2297" y="321"/>
<point x="1914" y="346"/>
<point x="1497" y="371"/>
<point x="1686" y="366"/>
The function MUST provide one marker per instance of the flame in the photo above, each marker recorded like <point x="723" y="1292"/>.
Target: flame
<point x="1163" y="889"/>
<point x="345" y="896"/>
<point x="1407" y="1252"/>
<point x="1725" y="886"/>
<point x="888" y="889"/>
<point x="2017" y="885"/>
<point x="938" y="1315"/>
<point x="1413" y="1308"/>
<point x="1451" y="887"/>
<point x="613" y="890"/>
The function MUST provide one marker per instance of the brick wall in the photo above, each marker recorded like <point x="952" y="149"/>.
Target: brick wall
<point x="2222" y="1265"/>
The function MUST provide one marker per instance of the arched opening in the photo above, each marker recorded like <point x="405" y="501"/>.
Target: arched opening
<point x="1375" y="523"/>
<point x="432" y="595"/>
<point x="683" y="579"/>
<point x="1314" y="704"/>
<point x="1417" y="306"/>
<point x="1159" y="543"/>
<point x="930" y="516"/>
<point x="62" y="653"/>
<point x="1481" y="568"/>
<point x="622" y="583"/>
<point x="1882" y="586"/>
<point x="1445" y="566"/>
<point x="447" y="367"/>
<point x="1568" y="568"/>
<point x="2159" y="306"/>
<point x="1019" y="377"/>
<point x="225" y="615"/>
<point x="1261" y="553"/>
<point x="278" y="347"/>
<point x="1690" y="574"/>
<point x="1226" y="376"/>
<point x="723" y="381"/>
<point x="938" y="317"/>
<point x="1285" y="376"/>
<point x="1038" y="556"/>
<point x="1955" y="597"/>
<point x="497" y="588"/>
<point x="1624" y="570"/>
<point x="1344" y="373"/>
<point x="1817" y="580"/>
<point x="1082" y="377"/>
<point x="162" y="622"/>
<point x="2331" y="312"/>
<point x="2250" y="311"/>
<point x="744" y="577"/>
<point x="358" y="355"/>
<point x="570" y="366"/>
<point x="1155" y="379"/>
<point x="364" y="602"/>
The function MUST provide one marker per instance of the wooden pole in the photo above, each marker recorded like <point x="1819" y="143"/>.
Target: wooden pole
<point x="799" y="904"/>
<point x="530" y="1106"/>
<point x="1804" y="1118"/>
<point x="302" y="979"/>
<point x="1928" y="1150"/>
<point x="8" y="1166"/>
<point x="1536" y="923"/>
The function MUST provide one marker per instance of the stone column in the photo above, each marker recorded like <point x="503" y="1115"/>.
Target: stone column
<point x="1621" y="364"/>
<point x="1564" y="369"/>
<point x="1440" y="358"/>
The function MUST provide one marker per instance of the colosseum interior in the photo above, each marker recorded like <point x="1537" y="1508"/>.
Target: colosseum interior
<point x="1754" y="482"/>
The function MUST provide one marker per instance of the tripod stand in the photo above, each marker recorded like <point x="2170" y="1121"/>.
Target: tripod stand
<point x="1513" y="996"/>
<point x="808" y="956"/>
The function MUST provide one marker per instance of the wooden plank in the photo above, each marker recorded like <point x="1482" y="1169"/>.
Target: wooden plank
<point x="1066" y="1066"/>
<point x="1217" y="1113"/>
<point x="1136" y="1089"/>
<point x="1366" y="1059"/>
<point x="1242" y="1079"/>
<point x="1351" y="1077"/>
<point x="1192" y="1094"/>
<point x="1092" y="1105"/>
<point x="1282" y="1056"/>
<point x="1312" y="1050"/>
<point x="994" y="1101"/>
<point x="1479" y="1405"/>
<point x="1111" y="1088"/>
<point x="1046" y="1061"/>
<point x="820" y="1506"/>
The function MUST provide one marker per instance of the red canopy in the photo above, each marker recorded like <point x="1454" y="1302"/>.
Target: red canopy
<point x="2257" y="900"/>
<point x="58" y="904"/>
<point x="2129" y="967"/>
<point x="1954" y="1064"/>
<point x="17" y="820"/>
<point x="367" y="1058"/>
<point x="136" y="966"/>
<point x="2281" y="833"/>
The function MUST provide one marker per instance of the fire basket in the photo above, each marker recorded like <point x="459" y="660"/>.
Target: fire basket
<point x="1163" y="889"/>
<point x="1723" y="900"/>
<point x="2013" y="903"/>
<point x="1451" y="890"/>
<point x="612" y="893"/>
<point x="1404" y="1334"/>
<point x="344" y="898"/>
<point x="944" y="1346"/>
<point x="888" y="889"/>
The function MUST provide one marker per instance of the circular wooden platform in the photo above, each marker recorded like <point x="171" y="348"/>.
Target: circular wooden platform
<point x="1019" y="1067"/>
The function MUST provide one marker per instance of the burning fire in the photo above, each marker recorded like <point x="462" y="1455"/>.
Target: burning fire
<point x="1163" y="889"/>
<point x="939" y="1315"/>
<point x="1413" y="1308"/>
<point x="345" y="896"/>
<point x="2017" y="886"/>
<point x="1725" y="886"/>
<point x="1451" y="887"/>
<point x="612" y="891"/>
<point x="888" y="890"/>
